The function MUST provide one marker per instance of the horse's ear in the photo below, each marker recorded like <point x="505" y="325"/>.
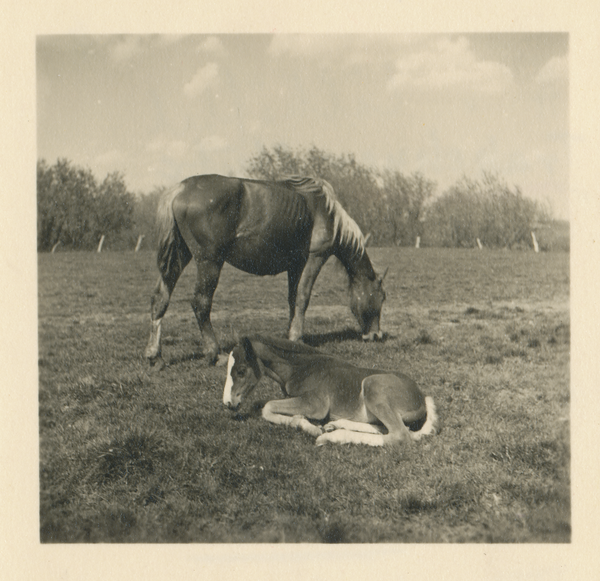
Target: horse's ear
<point x="367" y="239"/>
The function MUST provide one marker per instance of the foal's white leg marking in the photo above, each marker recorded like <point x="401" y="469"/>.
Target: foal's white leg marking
<point x="292" y="421"/>
<point x="430" y="426"/>
<point x="229" y="380"/>
<point x="348" y="437"/>
<point x="302" y="423"/>
<point x="345" y="424"/>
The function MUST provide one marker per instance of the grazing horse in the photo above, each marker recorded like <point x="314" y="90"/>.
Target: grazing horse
<point x="263" y="228"/>
<point x="360" y="405"/>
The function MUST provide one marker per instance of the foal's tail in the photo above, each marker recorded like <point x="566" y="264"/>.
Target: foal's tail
<point x="431" y="425"/>
<point x="173" y="253"/>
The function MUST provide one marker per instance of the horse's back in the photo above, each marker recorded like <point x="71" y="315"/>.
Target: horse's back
<point x="208" y="209"/>
<point x="260" y="227"/>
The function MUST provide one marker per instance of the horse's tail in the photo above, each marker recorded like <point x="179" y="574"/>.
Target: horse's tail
<point x="431" y="425"/>
<point x="173" y="253"/>
<point x="343" y="225"/>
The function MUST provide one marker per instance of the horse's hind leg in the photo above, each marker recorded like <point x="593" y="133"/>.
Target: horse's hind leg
<point x="206" y="283"/>
<point x="159" y="304"/>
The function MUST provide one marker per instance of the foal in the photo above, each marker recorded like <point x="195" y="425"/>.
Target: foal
<point x="362" y="406"/>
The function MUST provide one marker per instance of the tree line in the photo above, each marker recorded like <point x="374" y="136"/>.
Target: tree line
<point x="75" y="209"/>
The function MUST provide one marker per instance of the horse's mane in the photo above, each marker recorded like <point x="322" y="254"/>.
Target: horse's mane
<point x="343" y="225"/>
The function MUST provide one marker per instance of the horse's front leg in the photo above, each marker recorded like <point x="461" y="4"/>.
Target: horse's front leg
<point x="206" y="283"/>
<point x="304" y="282"/>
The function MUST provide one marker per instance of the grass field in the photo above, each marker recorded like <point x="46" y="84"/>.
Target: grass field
<point x="131" y="455"/>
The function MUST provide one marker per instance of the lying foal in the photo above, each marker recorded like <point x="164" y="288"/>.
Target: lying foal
<point x="364" y="406"/>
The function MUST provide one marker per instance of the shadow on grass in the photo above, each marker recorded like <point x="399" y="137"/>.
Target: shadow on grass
<point x="318" y="339"/>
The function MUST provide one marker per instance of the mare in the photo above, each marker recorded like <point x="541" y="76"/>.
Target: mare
<point x="263" y="228"/>
<point x="355" y="404"/>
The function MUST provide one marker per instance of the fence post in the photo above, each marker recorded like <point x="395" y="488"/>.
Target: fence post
<point x="101" y="243"/>
<point x="139" y="242"/>
<point x="418" y="242"/>
<point x="535" y="242"/>
<point x="479" y="244"/>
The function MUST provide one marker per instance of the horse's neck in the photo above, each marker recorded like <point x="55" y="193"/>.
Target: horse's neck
<point x="357" y="264"/>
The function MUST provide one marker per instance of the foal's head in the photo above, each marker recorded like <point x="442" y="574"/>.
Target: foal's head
<point x="243" y="373"/>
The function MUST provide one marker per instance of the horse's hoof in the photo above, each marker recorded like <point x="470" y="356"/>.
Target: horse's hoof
<point x="157" y="363"/>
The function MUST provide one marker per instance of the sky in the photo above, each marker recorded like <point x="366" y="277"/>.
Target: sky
<point x="160" y="108"/>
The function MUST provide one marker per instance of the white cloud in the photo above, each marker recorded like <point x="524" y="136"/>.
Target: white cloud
<point x="212" y="44"/>
<point x="126" y="48"/>
<point x="447" y="63"/>
<point x="212" y="143"/>
<point x="556" y="69"/>
<point x="205" y="77"/>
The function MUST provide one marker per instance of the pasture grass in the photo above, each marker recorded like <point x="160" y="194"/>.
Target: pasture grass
<point x="131" y="455"/>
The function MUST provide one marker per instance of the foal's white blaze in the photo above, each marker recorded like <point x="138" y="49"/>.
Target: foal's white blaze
<point x="229" y="380"/>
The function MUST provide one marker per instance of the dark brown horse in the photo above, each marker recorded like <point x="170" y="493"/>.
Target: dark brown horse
<point x="263" y="228"/>
<point x="356" y="404"/>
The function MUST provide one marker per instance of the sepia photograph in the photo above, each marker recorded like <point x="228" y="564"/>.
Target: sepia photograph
<point x="296" y="288"/>
<point x="414" y="188"/>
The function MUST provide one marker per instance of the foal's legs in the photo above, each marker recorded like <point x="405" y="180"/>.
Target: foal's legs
<point x="300" y="295"/>
<point x="294" y="411"/>
<point x="206" y="283"/>
<point x="377" y="390"/>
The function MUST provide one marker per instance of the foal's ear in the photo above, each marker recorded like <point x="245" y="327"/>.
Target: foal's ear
<point x="251" y="358"/>
<point x="248" y="349"/>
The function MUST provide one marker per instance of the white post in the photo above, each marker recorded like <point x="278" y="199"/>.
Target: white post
<point x="479" y="244"/>
<point x="139" y="242"/>
<point x="54" y="247"/>
<point x="101" y="243"/>
<point x="535" y="242"/>
<point x="418" y="242"/>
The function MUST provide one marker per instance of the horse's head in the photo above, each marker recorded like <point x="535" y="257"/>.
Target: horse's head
<point x="243" y="373"/>
<point x="366" y="300"/>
